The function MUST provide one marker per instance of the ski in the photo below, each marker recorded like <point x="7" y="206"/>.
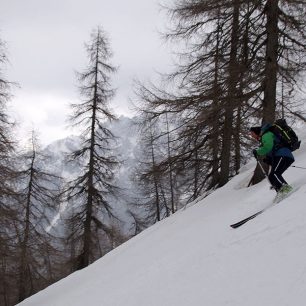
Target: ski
<point x="275" y="201"/>
<point x="235" y="225"/>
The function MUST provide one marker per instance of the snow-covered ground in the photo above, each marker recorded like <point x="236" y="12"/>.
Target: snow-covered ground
<point x="195" y="258"/>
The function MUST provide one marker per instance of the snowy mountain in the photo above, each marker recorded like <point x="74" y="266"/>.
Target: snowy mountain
<point x="125" y="133"/>
<point x="126" y="140"/>
<point x="195" y="258"/>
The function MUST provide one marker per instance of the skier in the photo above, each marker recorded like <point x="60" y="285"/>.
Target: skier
<point x="277" y="156"/>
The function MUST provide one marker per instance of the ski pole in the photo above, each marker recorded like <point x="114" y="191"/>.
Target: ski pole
<point x="265" y="174"/>
<point x="298" y="167"/>
<point x="262" y="169"/>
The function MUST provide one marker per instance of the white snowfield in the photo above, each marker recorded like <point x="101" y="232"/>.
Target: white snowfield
<point x="194" y="258"/>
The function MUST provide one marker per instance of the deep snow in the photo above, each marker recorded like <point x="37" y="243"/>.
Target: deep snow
<point x="195" y="258"/>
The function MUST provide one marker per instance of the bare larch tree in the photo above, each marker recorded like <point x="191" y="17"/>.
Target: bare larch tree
<point x="89" y="192"/>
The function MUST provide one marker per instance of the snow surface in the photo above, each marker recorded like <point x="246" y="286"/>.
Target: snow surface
<point x="195" y="258"/>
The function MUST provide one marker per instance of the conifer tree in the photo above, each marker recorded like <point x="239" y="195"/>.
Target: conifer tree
<point x="207" y="88"/>
<point x="90" y="192"/>
<point x="8" y="214"/>
<point x="285" y="62"/>
<point x="6" y="142"/>
<point x="229" y="76"/>
<point x="151" y="181"/>
<point x="38" y="197"/>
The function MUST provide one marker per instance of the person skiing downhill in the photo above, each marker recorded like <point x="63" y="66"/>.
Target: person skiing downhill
<point x="278" y="157"/>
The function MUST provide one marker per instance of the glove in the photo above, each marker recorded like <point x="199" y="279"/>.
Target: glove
<point x="255" y="153"/>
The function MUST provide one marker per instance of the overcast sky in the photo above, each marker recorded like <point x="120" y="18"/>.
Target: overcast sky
<point x="45" y="46"/>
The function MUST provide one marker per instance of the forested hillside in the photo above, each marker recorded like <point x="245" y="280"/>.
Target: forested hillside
<point x="237" y="64"/>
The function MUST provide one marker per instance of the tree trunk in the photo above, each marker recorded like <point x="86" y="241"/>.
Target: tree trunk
<point x="23" y="269"/>
<point x="85" y="256"/>
<point x="231" y="102"/>
<point x="237" y="141"/>
<point x="271" y="69"/>
<point x="155" y="181"/>
<point x="3" y="282"/>
<point x="215" y="124"/>
<point x="170" y="167"/>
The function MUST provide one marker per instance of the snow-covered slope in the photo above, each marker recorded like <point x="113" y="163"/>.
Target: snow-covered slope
<point x="195" y="258"/>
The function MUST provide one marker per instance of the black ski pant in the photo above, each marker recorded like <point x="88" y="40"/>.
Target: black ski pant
<point x="279" y="165"/>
